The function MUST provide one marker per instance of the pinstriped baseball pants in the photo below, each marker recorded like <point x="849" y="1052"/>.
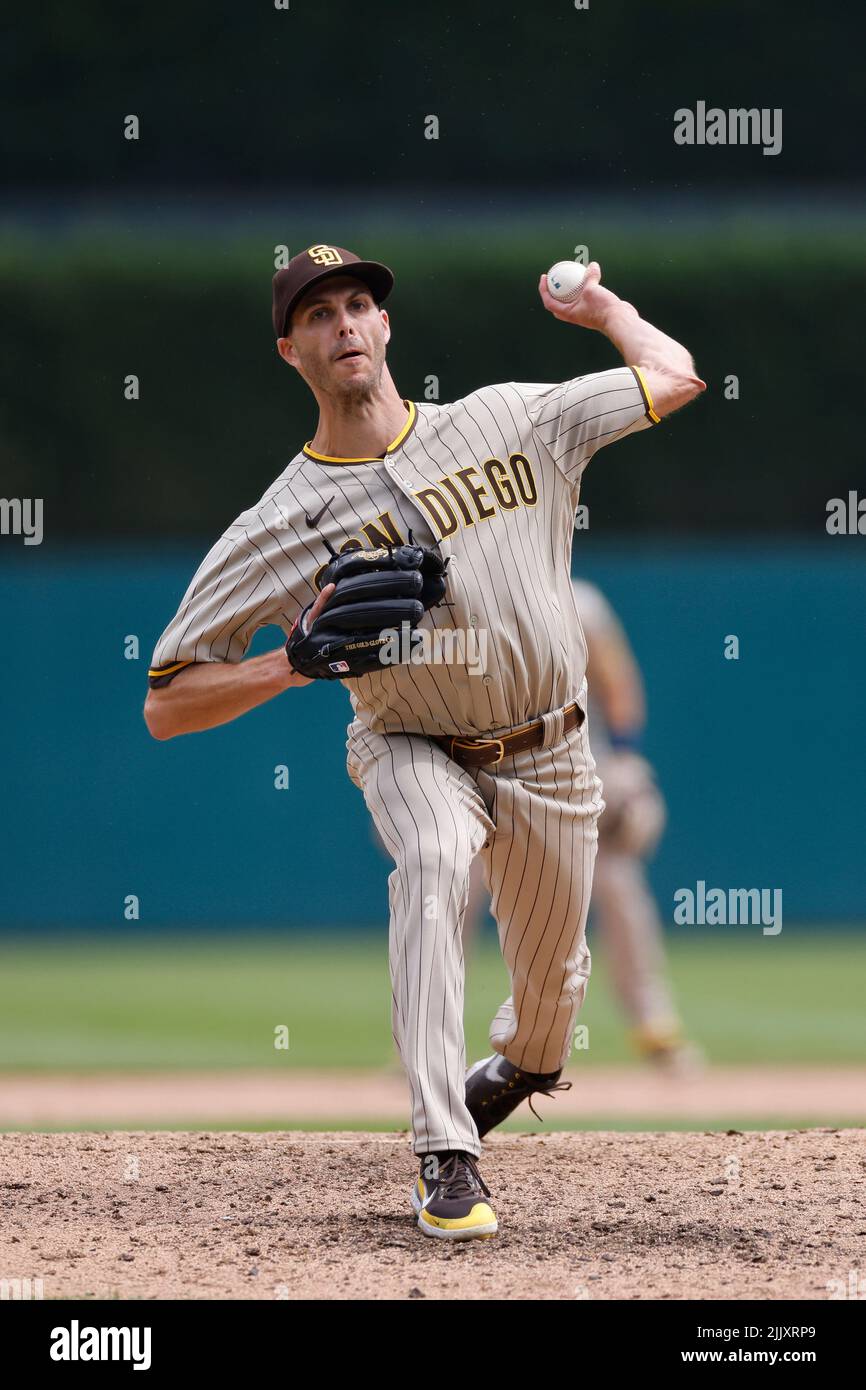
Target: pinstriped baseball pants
<point x="533" y="820"/>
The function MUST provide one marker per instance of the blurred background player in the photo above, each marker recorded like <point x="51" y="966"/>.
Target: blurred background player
<point x="623" y="907"/>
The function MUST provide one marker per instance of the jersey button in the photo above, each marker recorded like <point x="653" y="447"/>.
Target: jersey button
<point x="487" y="680"/>
<point x="473" y="621"/>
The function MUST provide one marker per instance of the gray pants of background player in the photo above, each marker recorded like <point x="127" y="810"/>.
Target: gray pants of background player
<point x="628" y="919"/>
<point x="533" y="820"/>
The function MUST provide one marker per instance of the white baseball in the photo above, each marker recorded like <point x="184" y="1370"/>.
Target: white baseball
<point x="565" y="280"/>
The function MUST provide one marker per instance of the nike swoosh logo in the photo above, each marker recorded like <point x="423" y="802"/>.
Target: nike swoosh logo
<point x="313" y="521"/>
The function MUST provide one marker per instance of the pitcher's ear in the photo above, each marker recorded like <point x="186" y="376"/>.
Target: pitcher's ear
<point x="286" y="351"/>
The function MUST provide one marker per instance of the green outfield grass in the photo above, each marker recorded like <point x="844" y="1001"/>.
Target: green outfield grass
<point x="215" y="1001"/>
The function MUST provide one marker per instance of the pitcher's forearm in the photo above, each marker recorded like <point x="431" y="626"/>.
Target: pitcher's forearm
<point x="212" y="693"/>
<point x="668" y="375"/>
<point x="641" y="344"/>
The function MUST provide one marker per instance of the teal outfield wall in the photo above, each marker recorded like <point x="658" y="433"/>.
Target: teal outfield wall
<point x="762" y="760"/>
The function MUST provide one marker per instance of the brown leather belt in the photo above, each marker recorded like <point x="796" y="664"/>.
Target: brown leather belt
<point x="475" y="752"/>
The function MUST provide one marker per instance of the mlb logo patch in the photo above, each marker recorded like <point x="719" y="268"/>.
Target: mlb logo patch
<point x="338" y="666"/>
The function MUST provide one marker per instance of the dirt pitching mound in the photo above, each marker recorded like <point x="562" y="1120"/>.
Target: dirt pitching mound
<point x="298" y="1215"/>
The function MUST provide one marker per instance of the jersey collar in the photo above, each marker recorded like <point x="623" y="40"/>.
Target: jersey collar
<point x="395" y="443"/>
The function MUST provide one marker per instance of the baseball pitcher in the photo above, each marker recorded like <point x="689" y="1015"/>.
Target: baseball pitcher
<point x="420" y="553"/>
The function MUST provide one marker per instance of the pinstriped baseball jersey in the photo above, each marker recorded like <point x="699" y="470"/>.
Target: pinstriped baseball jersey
<point x="494" y="480"/>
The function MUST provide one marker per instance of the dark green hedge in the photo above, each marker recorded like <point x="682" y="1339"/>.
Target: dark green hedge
<point x="219" y="415"/>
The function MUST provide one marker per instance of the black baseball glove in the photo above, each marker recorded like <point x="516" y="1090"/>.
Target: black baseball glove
<point x="377" y="591"/>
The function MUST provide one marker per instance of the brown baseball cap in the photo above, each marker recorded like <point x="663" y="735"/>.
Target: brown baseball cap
<point x="316" y="263"/>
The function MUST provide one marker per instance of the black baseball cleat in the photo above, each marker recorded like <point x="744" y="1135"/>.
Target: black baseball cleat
<point x="495" y="1087"/>
<point x="448" y="1198"/>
